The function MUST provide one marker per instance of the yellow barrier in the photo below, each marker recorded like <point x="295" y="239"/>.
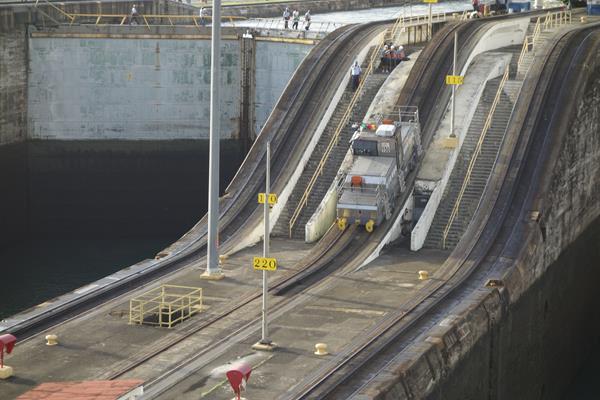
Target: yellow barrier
<point x="165" y="305"/>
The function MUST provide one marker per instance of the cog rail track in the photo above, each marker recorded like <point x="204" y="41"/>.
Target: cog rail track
<point x="483" y="258"/>
<point x="310" y="87"/>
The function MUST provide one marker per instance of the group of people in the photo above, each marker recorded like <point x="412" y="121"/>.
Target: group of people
<point x="294" y="16"/>
<point x="391" y="56"/>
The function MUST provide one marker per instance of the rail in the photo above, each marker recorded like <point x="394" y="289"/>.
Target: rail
<point x="474" y="157"/>
<point x="334" y="139"/>
<point x="277" y="24"/>
<point x="165" y="305"/>
<point x="550" y="20"/>
<point x="391" y="32"/>
<point x="148" y="19"/>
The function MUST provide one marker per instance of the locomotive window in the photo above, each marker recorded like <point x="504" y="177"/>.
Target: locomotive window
<point x="364" y="148"/>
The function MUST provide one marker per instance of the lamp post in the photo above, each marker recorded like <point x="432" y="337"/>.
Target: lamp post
<point x="213" y="271"/>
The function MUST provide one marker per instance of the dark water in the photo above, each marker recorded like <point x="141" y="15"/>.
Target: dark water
<point x="73" y="212"/>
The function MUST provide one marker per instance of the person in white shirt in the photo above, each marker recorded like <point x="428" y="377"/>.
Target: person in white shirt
<point x="286" y="18"/>
<point x="202" y="15"/>
<point x="134" y="15"/>
<point x="355" y="73"/>
<point x="307" y="19"/>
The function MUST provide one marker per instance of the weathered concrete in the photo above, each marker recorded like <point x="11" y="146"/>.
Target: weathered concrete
<point x="13" y="78"/>
<point x="126" y="84"/>
<point x="526" y="339"/>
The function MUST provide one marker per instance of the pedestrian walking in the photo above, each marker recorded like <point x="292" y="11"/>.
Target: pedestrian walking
<point x="286" y="18"/>
<point x="134" y="15"/>
<point x="295" y="19"/>
<point x="355" y="74"/>
<point x="307" y="19"/>
<point x="202" y="15"/>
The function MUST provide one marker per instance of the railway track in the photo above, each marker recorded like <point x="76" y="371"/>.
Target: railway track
<point x="499" y="240"/>
<point x="312" y="85"/>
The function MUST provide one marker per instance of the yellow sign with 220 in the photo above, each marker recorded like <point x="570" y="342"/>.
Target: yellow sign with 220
<point x="265" y="263"/>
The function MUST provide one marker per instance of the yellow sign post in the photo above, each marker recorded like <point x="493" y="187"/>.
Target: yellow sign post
<point x="454" y="79"/>
<point x="271" y="200"/>
<point x="430" y="1"/>
<point x="265" y="263"/>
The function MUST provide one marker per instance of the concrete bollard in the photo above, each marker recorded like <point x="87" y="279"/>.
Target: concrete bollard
<point x="454" y="15"/>
<point x="321" y="349"/>
<point x="223" y="258"/>
<point x="6" y="372"/>
<point x="51" y="340"/>
<point x="423" y="275"/>
<point x="583" y="19"/>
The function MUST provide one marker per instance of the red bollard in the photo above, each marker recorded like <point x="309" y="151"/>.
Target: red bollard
<point x="238" y="376"/>
<point x="7" y="340"/>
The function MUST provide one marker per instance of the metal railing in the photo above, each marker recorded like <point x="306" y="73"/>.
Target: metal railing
<point x="334" y="139"/>
<point x="148" y="19"/>
<point x="474" y="157"/>
<point x="165" y="305"/>
<point x="278" y="24"/>
<point x="548" y="21"/>
<point x="390" y="33"/>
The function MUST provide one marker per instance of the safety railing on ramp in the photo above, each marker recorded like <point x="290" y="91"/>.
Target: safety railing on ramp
<point x="548" y="21"/>
<point x="467" y="178"/>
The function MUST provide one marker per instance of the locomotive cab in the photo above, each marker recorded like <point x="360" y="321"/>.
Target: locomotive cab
<point x="381" y="160"/>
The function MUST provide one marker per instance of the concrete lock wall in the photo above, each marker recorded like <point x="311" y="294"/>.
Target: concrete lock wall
<point x="275" y="62"/>
<point x="13" y="79"/>
<point x="527" y="338"/>
<point x="104" y="88"/>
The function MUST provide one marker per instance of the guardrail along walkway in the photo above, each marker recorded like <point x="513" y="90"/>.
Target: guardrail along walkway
<point x="372" y="84"/>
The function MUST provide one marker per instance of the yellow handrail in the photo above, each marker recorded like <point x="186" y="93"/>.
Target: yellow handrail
<point x="391" y="32"/>
<point x="334" y="140"/>
<point x="168" y="17"/>
<point x="467" y="178"/>
<point x="550" y="20"/>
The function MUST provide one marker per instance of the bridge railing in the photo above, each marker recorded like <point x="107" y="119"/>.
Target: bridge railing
<point x="474" y="157"/>
<point x="147" y="19"/>
<point x="277" y="24"/>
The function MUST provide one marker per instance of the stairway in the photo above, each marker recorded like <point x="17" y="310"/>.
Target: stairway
<point x="332" y="165"/>
<point x="482" y="168"/>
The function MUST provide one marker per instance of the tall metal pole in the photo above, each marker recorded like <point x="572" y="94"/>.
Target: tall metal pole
<point x="452" y="134"/>
<point x="265" y="328"/>
<point x="212" y="264"/>
<point x="430" y="25"/>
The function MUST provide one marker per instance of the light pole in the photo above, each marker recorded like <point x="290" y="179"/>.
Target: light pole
<point x="265" y="343"/>
<point x="213" y="271"/>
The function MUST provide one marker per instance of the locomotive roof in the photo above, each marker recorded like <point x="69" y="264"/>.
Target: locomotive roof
<point x="372" y="166"/>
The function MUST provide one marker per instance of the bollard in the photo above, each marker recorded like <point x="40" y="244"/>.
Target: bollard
<point x="223" y="258"/>
<point x="583" y="19"/>
<point x="6" y="372"/>
<point x="51" y="340"/>
<point x="423" y="275"/>
<point x="321" y="349"/>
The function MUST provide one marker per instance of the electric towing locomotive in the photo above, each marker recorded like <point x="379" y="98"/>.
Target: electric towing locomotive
<point x="382" y="156"/>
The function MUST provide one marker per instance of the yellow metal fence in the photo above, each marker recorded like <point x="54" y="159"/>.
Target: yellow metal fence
<point x="165" y="306"/>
